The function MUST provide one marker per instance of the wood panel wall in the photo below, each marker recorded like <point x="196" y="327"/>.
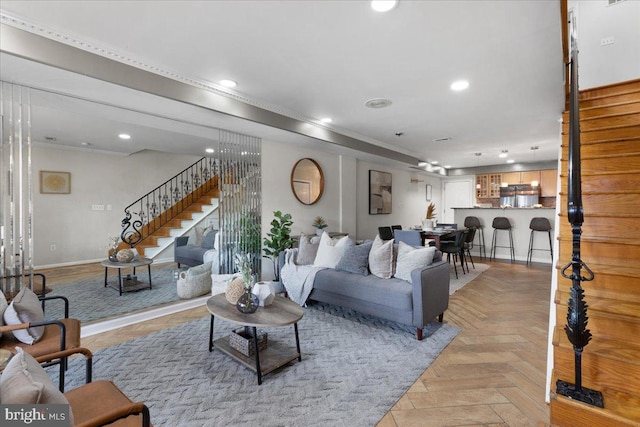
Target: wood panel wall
<point x="610" y="160"/>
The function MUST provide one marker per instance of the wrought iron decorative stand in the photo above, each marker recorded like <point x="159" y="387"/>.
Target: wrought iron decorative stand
<point x="577" y="319"/>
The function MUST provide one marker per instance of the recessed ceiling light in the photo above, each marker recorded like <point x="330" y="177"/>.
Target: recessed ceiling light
<point x="447" y="166"/>
<point x="435" y="162"/>
<point x="86" y="144"/>
<point x="422" y="164"/>
<point x="228" y="83"/>
<point x="124" y="136"/>
<point x="383" y="5"/>
<point x="210" y="150"/>
<point x="378" y="103"/>
<point x="326" y="120"/>
<point x="511" y="161"/>
<point x="459" y="85"/>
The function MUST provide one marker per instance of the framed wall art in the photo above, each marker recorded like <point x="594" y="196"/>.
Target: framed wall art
<point x="54" y="182"/>
<point x="379" y="192"/>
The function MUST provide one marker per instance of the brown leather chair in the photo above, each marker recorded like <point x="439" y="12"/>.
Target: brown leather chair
<point x="58" y="335"/>
<point x="100" y="403"/>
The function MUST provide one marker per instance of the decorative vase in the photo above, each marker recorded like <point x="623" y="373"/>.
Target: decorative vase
<point x="113" y="256"/>
<point x="265" y="293"/>
<point x="427" y="224"/>
<point x="125" y="255"/>
<point x="234" y="290"/>
<point x="248" y="302"/>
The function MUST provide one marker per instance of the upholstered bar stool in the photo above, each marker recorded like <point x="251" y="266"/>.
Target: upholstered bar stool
<point x="474" y="222"/>
<point x="539" y="224"/>
<point x="502" y="223"/>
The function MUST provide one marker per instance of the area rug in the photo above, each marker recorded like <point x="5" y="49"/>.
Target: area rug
<point x="90" y="300"/>
<point x="354" y="368"/>
<point x="463" y="279"/>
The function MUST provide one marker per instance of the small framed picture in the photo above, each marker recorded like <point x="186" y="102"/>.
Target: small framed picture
<point x="55" y="182"/>
<point x="428" y="192"/>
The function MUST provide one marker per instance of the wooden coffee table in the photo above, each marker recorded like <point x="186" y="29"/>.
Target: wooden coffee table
<point x="282" y="312"/>
<point x="140" y="262"/>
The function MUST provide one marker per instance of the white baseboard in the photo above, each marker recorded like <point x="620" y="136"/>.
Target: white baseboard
<point x="130" y="319"/>
<point x="92" y="261"/>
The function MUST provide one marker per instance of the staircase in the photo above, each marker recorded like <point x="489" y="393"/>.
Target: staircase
<point x="170" y="210"/>
<point x="610" y="246"/>
<point x="193" y="215"/>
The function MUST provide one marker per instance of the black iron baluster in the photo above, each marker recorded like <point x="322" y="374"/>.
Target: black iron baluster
<point x="577" y="319"/>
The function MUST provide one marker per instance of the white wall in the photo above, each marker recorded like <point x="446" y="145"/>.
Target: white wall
<point x="67" y="221"/>
<point x="613" y="63"/>
<point x="278" y="160"/>
<point x="409" y="204"/>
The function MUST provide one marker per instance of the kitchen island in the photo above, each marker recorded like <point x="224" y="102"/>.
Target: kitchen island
<point x="520" y="219"/>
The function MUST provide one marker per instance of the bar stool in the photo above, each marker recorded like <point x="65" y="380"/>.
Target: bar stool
<point x="502" y="223"/>
<point x="474" y="222"/>
<point x="539" y="224"/>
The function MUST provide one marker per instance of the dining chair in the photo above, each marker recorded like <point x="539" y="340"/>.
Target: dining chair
<point x="385" y="233"/>
<point x="396" y="227"/>
<point x="410" y="237"/>
<point x="455" y="248"/>
<point x="467" y="245"/>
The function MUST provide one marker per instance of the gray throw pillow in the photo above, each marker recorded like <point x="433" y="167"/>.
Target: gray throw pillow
<point x="25" y="381"/>
<point x="209" y="239"/>
<point x="356" y="259"/>
<point x="307" y="250"/>
<point x="25" y="308"/>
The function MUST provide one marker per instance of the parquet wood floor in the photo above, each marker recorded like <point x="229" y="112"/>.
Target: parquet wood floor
<point x="492" y="374"/>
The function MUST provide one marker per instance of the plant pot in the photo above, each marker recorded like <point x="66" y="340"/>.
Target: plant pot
<point x="319" y="231"/>
<point x="427" y="224"/>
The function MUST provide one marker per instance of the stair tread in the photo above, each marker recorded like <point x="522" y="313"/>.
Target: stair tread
<point x="594" y="107"/>
<point x="619" y="307"/>
<point x="623" y="351"/>
<point x="619" y="408"/>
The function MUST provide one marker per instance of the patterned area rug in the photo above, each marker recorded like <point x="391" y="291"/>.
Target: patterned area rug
<point x="354" y="368"/>
<point x="90" y="300"/>
<point x="463" y="279"/>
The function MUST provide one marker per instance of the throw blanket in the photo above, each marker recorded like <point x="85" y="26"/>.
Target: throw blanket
<point x="297" y="279"/>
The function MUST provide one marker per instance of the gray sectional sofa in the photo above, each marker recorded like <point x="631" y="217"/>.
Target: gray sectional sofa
<point x="187" y="254"/>
<point x="416" y="303"/>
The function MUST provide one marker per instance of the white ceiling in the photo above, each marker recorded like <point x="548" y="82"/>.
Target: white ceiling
<point x="313" y="59"/>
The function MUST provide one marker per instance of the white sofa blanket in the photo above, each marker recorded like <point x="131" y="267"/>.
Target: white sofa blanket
<point x="297" y="279"/>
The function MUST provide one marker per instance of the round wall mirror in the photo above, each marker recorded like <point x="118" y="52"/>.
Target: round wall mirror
<point x="307" y="181"/>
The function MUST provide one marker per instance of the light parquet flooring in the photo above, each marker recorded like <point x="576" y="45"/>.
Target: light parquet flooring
<point x="492" y="374"/>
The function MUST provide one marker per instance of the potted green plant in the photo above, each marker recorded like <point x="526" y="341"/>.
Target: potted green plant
<point x="278" y="239"/>
<point x="320" y="224"/>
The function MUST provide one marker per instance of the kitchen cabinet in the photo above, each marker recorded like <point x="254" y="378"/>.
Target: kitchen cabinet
<point x="488" y="185"/>
<point x="548" y="183"/>
<point x="524" y="177"/>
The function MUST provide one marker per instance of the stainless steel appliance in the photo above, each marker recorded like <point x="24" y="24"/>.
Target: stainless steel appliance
<point x="508" y="196"/>
<point x="527" y="196"/>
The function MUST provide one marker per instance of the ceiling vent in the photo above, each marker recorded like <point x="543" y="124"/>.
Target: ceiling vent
<point x="612" y="2"/>
<point x="446" y="138"/>
<point x="377" y="103"/>
<point x="50" y="138"/>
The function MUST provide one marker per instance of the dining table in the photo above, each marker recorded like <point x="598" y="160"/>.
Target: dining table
<point x="436" y="235"/>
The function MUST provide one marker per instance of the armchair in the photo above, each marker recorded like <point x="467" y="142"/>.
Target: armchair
<point x="58" y="335"/>
<point x="93" y="404"/>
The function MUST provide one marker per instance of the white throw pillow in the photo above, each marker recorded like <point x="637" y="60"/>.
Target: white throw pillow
<point x="381" y="258"/>
<point x="411" y="258"/>
<point x="25" y="308"/>
<point x="330" y="250"/>
<point x="216" y="242"/>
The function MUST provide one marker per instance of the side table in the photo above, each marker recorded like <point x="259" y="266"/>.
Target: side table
<point x="140" y="262"/>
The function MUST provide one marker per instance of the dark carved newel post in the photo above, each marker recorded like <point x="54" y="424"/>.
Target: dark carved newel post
<point x="577" y="318"/>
